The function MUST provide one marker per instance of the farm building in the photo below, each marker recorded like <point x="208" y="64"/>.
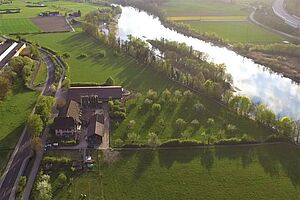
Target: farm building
<point x="95" y="130"/>
<point x="82" y="110"/>
<point x="9" y="49"/>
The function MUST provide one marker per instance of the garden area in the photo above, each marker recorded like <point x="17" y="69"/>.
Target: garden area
<point x="263" y="172"/>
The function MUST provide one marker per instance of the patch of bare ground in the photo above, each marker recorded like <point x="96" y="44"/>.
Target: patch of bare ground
<point x="111" y="156"/>
<point x="286" y="65"/>
<point x="52" y="24"/>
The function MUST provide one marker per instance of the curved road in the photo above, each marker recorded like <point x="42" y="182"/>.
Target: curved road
<point x="279" y="10"/>
<point x="22" y="150"/>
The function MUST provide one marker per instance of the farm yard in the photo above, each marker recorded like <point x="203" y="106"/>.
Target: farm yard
<point x="52" y="24"/>
<point x="262" y="172"/>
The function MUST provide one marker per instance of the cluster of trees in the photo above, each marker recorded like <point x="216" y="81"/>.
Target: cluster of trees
<point x="37" y="121"/>
<point x="19" y="68"/>
<point x="43" y="188"/>
<point x="275" y="49"/>
<point x="243" y="106"/>
<point x="117" y="110"/>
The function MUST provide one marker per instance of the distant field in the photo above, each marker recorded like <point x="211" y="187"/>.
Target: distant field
<point x="244" y="32"/>
<point x="194" y="18"/>
<point x="17" y="26"/>
<point x="62" y="6"/>
<point x="202" y="8"/>
<point x="247" y="173"/>
<point x="293" y="6"/>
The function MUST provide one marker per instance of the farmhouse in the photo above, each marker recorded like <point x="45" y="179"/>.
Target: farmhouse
<point x="9" y="49"/>
<point x="84" y="110"/>
<point x="95" y="130"/>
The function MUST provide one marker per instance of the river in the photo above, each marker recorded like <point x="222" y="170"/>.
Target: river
<point x="255" y="81"/>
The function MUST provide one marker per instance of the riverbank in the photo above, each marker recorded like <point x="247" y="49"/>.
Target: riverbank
<point x="286" y="65"/>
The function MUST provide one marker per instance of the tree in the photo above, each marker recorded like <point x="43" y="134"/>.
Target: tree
<point x="43" y="188"/>
<point x="22" y="184"/>
<point x="199" y="107"/>
<point x="151" y="94"/>
<point x="186" y="134"/>
<point x="195" y="123"/>
<point x="133" y="137"/>
<point x="166" y="95"/>
<point x="131" y="124"/>
<point x="62" y="178"/>
<point x="36" y="144"/>
<point x="43" y="107"/>
<point x="119" y="142"/>
<point x="156" y="108"/>
<point x="153" y="140"/>
<point x="5" y="86"/>
<point x="180" y="124"/>
<point x="34" y="125"/>
<point x="110" y="81"/>
<point x="286" y="126"/>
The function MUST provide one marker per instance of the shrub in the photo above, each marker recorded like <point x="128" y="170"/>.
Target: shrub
<point x="119" y="142"/>
<point x="102" y="53"/>
<point x="83" y="55"/>
<point x="178" y="143"/>
<point x="66" y="55"/>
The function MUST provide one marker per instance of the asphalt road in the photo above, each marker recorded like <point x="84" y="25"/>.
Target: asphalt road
<point x="22" y="149"/>
<point x="279" y="10"/>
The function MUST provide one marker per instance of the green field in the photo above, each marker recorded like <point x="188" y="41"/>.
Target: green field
<point x="62" y="6"/>
<point x="244" y="32"/>
<point x="17" y="26"/>
<point x="13" y="114"/>
<point x="123" y="69"/>
<point x="41" y="75"/>
<point x="202" y="8"/>
<point x="264" y="172"/>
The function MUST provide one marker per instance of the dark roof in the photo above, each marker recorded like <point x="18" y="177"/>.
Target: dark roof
<point x="11" y="53"/>
<point x="96" y="125"/>
<point x="72" y="109"/>
<point x="103" y="92"/>
<point x="63" y="123"/>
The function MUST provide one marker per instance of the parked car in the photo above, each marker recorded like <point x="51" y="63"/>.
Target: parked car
<point x="55" y="144"/>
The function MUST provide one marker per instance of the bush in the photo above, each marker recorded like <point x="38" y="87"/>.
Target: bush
<point x="179" y="143"/>
<point x="66" y="55"/>
<point x="119" y="142"/>
<point x="57" y="160"/>
<point x="102" y="53"/>
<point x="83" y="55"/>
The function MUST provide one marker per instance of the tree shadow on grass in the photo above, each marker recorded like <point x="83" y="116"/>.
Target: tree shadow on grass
<point x="145" y="159"/>
<point x="168" y="157"/>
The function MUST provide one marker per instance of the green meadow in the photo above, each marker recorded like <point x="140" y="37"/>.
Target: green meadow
<point x="263" y="172"/>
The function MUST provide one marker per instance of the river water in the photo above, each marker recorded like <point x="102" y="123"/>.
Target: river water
<point x="255" y="81"/>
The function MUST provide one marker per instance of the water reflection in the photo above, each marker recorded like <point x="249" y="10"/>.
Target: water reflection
<point x="253" y="80"/>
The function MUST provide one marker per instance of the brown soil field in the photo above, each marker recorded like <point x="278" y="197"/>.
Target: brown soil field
<point x="52" y="24"/>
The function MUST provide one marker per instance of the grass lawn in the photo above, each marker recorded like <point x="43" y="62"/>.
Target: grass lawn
<point x="244" y="32"/>
<point x="17" y="26"/>
<point x="263" y="172"/>
<point x="123" y="69"/>
<point x="41" y="75"/>
<point x="13" y="114"/>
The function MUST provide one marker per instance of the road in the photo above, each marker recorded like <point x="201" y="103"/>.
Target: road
<point x="22" y="150"/>
<point x="251" y="17"/>
<point x="279" y="10"/>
